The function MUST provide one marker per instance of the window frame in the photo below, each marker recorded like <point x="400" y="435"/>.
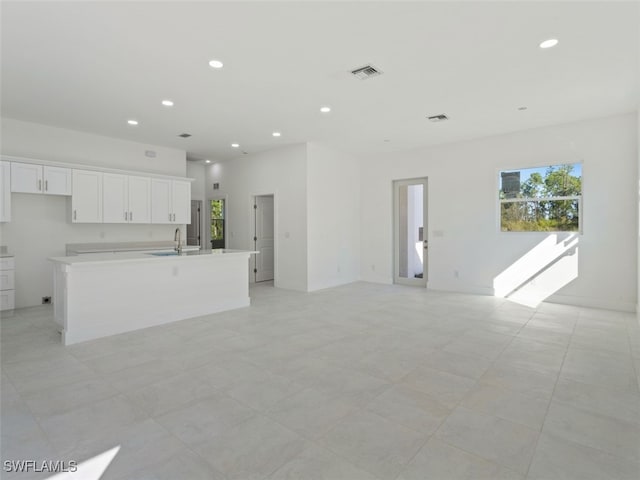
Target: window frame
<point x="580" y="197"/>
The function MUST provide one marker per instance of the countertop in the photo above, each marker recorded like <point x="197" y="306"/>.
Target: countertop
<point x="124" y="257"/>
<point x="112" y="247"/>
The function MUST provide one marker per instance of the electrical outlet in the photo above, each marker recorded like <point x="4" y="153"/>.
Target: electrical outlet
<point x="46" y="300"/>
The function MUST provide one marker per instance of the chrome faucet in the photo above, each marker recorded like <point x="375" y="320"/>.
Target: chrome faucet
<point x="176" y="238"/>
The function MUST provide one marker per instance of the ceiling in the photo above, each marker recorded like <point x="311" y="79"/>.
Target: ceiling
<point x="91" y="66"/>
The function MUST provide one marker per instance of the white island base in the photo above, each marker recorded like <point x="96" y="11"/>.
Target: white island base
<point x="98" y="295"/>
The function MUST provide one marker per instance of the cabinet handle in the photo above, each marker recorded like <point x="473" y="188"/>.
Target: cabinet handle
<point x="169" y="217"/>
<point x="130" y="216"/>
<point x="39" y="185"/>
<point x="74" y="214"/>
<point x="125" y="216"/>
<point x="174" y="217"/>
<point x="46" y="185"/>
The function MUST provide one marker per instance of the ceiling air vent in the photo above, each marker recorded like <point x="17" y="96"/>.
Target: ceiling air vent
<point x="438" y="118"/>
<point x="365" y="72"/>
<point x="185" y="135"/>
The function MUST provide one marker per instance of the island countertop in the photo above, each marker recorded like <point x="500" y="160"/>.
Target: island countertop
<point x="155" y="256"/>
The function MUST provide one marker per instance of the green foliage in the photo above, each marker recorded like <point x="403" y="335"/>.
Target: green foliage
<point x="538" y="214"/>
<point x="217" y="219"/>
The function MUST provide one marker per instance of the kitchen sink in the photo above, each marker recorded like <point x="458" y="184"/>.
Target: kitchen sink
<point x="164" y="254"/>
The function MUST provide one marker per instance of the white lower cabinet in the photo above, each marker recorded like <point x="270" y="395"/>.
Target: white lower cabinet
<point x="7" y="283"/>
<point x="86" y="199"/>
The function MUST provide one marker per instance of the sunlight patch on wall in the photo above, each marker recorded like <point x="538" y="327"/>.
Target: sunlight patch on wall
<point x="541" y="272"/>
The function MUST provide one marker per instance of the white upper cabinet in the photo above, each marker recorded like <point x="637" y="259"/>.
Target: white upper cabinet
<point x="161" y="211"/>
<point x="57" y="180"/>
<point x="171" y="201"/>
<point x="115" y="198"/>
<point x="86" y="200"/>
<point x="5" y="192"/>
<point x="126" y="198"/>
<point x="139" y="199"/>
<point x="181" y="198"/>
<point x="32" y="178"/>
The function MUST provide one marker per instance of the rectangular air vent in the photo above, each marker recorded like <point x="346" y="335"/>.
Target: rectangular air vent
<point x="185" y="135"/>
<point x="365" y="72"/>
<point x="438" y="118"/>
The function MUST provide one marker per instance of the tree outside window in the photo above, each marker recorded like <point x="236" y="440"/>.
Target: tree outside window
<point x="546" y="199"/>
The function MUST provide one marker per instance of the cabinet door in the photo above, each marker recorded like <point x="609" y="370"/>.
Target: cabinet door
<point x="181" y="196"/>
<point x="161" y="211"/>
<point x="5" y="192"/>
<point x="139" y="199"/>
<point x="86" y="198"/>
<point x="57" y="180"/>
<point x="26" y="178"/>
<point x="115" y="198"/>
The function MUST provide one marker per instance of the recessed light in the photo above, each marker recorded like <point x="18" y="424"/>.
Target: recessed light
<point x="276" y="134"/>
<point x="207" y="161"/>
<point x="167" y="103"/>
<point x="132" y="122"/>
<point x="325" y="109"/>
<point x="552" y="42"/>
<point x="235" y="145"/>
<point x="216" y="64"/>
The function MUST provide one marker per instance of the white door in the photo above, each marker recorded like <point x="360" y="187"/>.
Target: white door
<point x="139" y="199"/>
<point x="161" y="211"/>
<point x="26" y="178"/>
<point x="57" y="180"/>
<point x="181" y="199"/>
<point x="86" y="198"/>
<point x="410" y="232"/>
<point x="115" y="198"/>
<point x="264" y="241"/>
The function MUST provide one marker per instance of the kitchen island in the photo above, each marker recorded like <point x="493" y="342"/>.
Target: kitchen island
<point x="102" y="294"/>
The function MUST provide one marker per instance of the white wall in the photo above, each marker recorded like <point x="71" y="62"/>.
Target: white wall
<point x="333" y="217"/>
<point x="40" y="226"/>
<point x="198" y="192"/>
<point x="463" y="209"/>
<point x="283" y="173"/>
<point x="32" y="140"/>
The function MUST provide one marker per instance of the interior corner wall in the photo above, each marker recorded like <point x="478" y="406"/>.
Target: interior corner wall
<point x="196" y="171"/>
<point x="333" y="217"/>
<point x="638" y="218"/>
<point x="283" y="173"/>
<point x="40" y="226"/>
<point x="463" y="209"/>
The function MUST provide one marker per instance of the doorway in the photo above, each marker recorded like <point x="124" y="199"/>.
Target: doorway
<point x="263" y="262"/>
<point x="217" y="224"/>
<point x="194" y="230"/>
<point x="410" y="232"/>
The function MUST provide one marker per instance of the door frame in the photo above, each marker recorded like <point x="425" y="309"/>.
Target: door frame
<point x="415" y="282"/>
<point x="200" y="217"/>
<point x="226" y="220"/>
<point x="252" y="234"/>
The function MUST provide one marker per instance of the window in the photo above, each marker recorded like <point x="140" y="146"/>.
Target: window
<point x="543" y="199"/>
<point x="217" y="224"/>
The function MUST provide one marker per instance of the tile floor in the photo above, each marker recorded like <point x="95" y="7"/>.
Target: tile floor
<point x="357" y="382"/>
